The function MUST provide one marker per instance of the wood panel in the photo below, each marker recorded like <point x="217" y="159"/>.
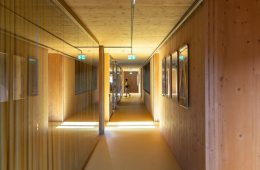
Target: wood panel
<point x="111" y="18"/>
<point x="152" y="101"/>
<point x="23" y="127"/>
<point x="70" y="98"/>
<point x="233" y="75"/>
<point x="184" y="128"/>
<point x="55" y="83"/>
<point x="70" y="148"/>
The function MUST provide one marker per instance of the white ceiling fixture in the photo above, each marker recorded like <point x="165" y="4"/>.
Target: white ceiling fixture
<point x="132" y="56"/>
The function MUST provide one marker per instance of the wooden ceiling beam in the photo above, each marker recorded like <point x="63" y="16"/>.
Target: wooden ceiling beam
<point x="71" y="14"/>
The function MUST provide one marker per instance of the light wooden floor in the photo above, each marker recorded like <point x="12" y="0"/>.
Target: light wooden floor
<point x="132" y="149"/>
<point x="131" y="109"/>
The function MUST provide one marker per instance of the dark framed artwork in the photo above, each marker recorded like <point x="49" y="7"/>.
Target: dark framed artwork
<point x="3" y="78"/>
<point x="146" y="78"/>
<point x="174" y="75"/>
<point x="33" y="86"/>
<point x="163" y="77"/>
<point x="183" y="85"/>
<point x="168" y="76"/>
<point x="19" y="77"/>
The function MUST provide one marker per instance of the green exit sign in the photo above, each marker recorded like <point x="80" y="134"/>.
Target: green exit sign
<point x="131" y="57"/>
<point x="81" y="57"/>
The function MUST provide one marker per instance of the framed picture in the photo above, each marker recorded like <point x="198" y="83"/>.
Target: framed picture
<point x="174" y="75"/>
<point x="19" y="77"/>
<point x="146" y="78"/>
<point x="168" y="76"/>
<point x="33" y="89"/>
<point x="3" y="78"/>
<point x="163" y="77"/>
<point x="183" y="63"/>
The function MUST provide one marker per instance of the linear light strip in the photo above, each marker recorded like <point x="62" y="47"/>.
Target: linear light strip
<point x="129" y="123"/>
<point x="129" y="127"/>
<point x="79" y="123"/>
<point x="75" y="127"/>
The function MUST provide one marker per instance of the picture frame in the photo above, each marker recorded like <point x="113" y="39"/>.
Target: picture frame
<point x="146" y="78"/>
<point x="174" y="74"/>
<point x="19" y="77"/>
<point x="168" y="76"/>
<point x="4" y="89"/>
<point x="163" y="77"/>
<point x="33" y="85"/>
<point x="183" y="76"/>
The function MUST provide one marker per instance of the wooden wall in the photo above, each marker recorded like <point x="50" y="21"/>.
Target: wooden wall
<point x="24" y="121"/>
<point x="70" y="98"/>
<point x="152" y="101"/>
<point x="184" y="128"/>
<point x="27" y="140"/>
<point x="70" y="148"/>
<point x="147" y="101"/>
<point x="220" y="130"/>
<point x="55" y="82"/>
<point x="64" y="103"/>
<point x="233" y="85"/>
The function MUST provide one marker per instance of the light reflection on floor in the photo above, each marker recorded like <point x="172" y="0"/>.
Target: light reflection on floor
<point x="78" y="125"/>
<point x="130" y="125"/>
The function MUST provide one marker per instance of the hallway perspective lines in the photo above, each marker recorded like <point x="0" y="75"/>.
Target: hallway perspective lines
<point x="132" y="141"/>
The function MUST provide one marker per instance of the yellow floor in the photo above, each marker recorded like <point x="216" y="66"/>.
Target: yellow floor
<point x="133" y="147"/>
<point x="131" y="109"/>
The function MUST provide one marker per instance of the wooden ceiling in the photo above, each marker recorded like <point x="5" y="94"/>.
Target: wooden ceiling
<point x="110" y="22"/>
<point x="42" y="22"/>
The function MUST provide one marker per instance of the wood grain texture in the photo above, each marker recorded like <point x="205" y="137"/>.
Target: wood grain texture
<point x="37" y="17"/>
<point x="55" y="83"/>
<point x="70" y="148"/>
<point x="153" y="20"/>
<point x="184" y="129"/>
<point x="24" y="125"/>
<point x="152" y="101"/>
<point x="23" y="128"/>
<point x="233" y="86"/>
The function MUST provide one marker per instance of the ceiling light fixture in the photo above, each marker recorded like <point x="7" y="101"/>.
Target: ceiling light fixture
<point x="132" y="57"/>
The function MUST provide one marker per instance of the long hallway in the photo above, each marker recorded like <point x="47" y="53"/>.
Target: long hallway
<point x="65" y="66"/>
<point x="132" y="142"/>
